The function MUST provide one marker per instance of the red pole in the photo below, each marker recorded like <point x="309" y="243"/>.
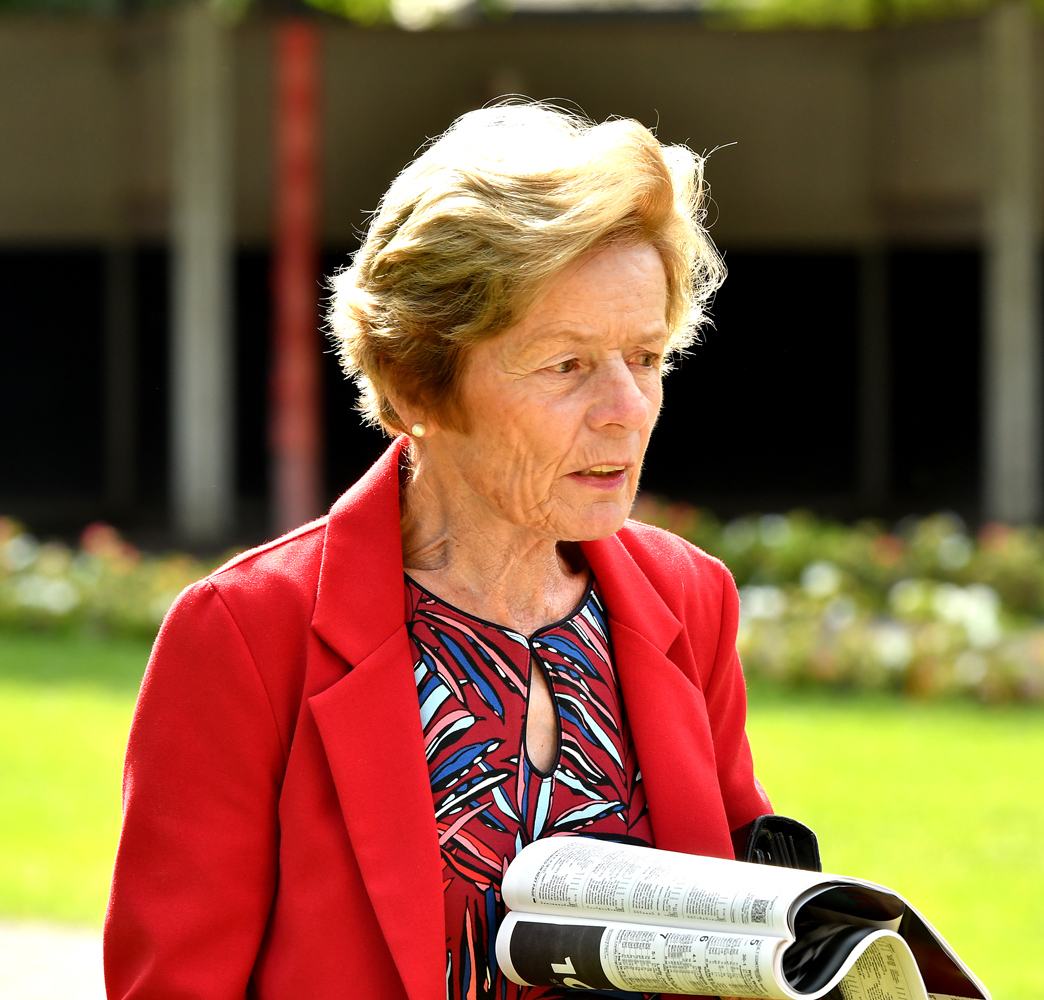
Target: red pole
<point x="295" y="398"/>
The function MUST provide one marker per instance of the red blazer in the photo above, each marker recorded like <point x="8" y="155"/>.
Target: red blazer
<point x="279" y="835"/>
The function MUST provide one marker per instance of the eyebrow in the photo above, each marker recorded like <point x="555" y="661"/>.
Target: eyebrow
<point x="569" y="333"/>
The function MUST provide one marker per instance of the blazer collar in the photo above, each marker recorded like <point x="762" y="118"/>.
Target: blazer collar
<point x="629" y="596"/>
<point x="360" y="600"/>
<point x="369" y="723"/>
<point x="369" y="720"/>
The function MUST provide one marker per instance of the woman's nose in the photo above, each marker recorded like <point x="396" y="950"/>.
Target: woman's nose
<point x="619" y="400"/>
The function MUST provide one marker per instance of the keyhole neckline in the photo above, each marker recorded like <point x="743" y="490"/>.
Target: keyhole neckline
<point x="577" y="609"/>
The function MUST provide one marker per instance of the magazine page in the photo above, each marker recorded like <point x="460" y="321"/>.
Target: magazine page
<point x="885" y="970"/>
<point x="583" y="953"/>
<point x="641" y="919"/>
<point x="579" y="875"/>
<point x="945" y="975"/>
<point x="544" y="950"/>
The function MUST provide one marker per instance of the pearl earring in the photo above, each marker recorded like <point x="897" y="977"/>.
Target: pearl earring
<point x="418" y="430"/>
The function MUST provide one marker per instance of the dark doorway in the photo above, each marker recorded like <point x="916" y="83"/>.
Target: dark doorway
<point x="936" y="323"/>
<point x="762" y="414"/>
<point x="51" y="326"/>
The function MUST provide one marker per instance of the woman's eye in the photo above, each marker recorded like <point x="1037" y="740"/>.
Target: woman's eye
<point x="564" y="367"/>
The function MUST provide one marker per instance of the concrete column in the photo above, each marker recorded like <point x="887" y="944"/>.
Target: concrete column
<point x="202" y="389"/>
<point x="1012" y="411"/>
<point x="875" y="459"/>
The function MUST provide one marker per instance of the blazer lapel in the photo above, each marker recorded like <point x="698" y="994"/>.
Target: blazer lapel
<point x="369" y="722"/>
<point x="370" y="726"/>
<point x="665" y="710"/>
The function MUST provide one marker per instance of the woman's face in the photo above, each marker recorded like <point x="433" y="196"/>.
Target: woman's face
<point x="561" y="405"/>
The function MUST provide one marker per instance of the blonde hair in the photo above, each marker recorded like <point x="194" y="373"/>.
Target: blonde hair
<point x="471" y="232"/>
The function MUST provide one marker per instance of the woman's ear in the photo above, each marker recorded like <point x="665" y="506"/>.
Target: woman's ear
<point x="414" y="420"/>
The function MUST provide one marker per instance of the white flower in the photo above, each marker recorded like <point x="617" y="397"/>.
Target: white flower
<point x="820" y="579"/>
<point x="976" y="608"/>
<point x="55" y="596"/>
<point x="765" y="602"/>
<point x="982" y="620"/>
<point x="20" y="552"/>
<point x="948" y="603"/>
<point x="892" y="645"/>
<point x="954" y="551"/>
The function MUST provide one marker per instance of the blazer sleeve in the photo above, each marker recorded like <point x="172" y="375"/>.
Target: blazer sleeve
<point x="197" y="861"/>
<point x="725" y="693"/>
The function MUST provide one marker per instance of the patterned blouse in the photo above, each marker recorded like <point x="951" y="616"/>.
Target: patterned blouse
<point x="490" y="801"/>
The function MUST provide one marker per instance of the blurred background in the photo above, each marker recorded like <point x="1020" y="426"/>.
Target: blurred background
<point x="876" y="194"/>
<point x="858" y="435"/>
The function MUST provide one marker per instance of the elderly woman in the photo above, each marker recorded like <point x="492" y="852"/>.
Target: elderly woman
<point x="344" y="735"/>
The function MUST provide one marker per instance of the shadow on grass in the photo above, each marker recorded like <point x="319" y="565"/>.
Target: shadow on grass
<point x="47" y="658"/>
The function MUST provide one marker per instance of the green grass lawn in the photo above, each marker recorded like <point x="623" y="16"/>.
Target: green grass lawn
<point x="943" y="802"/>
<point x="65" y="707"/>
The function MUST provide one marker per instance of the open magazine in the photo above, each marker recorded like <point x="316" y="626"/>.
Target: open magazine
<point x="594" y="914"/>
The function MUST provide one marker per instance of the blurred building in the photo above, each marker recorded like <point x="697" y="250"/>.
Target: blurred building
<point x="875" y="349"/>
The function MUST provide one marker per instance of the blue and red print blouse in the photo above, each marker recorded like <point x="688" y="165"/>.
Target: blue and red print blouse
<point x="490" y="801"/>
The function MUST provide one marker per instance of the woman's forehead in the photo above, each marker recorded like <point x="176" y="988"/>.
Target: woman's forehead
<point x="622" y="289"/>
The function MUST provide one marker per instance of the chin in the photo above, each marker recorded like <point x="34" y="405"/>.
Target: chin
<point x="601" y="522"/>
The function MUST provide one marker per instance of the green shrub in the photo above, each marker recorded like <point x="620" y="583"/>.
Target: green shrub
<point x="924" y="609"/>
<point x="106" y="586"/>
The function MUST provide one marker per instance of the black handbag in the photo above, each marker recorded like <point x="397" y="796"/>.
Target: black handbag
<point x="786" y="843"/>
<point x="781" y="841"/>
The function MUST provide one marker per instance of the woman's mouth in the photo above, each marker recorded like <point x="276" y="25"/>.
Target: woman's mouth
<point x="606" y="477"/>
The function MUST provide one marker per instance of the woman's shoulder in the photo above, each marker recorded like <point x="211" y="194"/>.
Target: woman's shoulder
<point x="249" y="618"/>
<point x="292" y="559"/>
<point x="659" y="551"/>
<point x="677" y="569"/>
<point x="277" y="579"/>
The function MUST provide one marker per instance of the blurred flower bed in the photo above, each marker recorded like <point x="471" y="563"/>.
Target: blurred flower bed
<point x="923" y="608"/>
<point x="104" y="586"/>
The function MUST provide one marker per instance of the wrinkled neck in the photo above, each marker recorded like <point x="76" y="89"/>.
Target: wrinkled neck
<point x="455" y="544"/>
